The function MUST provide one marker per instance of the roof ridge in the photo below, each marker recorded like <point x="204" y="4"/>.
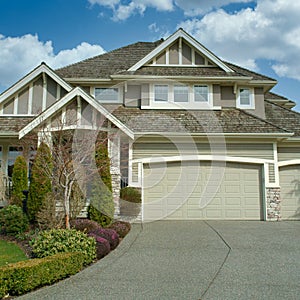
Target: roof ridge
<point x="261" y="119"/>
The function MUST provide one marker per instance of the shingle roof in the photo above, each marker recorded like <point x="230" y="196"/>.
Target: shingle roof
<point x="113" y="62"/>
<point x="118" y="61"/>
<point x="195" y="121"/>
<point x="283" y="117"/>
<point x="11" y="125"/>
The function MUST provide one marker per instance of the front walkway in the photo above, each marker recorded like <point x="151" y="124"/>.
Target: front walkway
<point x="193" y="260"/>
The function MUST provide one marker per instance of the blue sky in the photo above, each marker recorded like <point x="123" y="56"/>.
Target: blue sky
<point x="262" y="35"/>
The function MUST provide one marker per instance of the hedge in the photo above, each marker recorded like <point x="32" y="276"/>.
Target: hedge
<point x="25" y="276"/>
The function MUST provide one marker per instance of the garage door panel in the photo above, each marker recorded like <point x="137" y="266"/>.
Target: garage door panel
<point x="290" y="192"/>
<point x="229" y="197"/>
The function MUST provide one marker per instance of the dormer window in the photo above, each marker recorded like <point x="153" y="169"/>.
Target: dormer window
<point x="107" y="95"/>
<point x="245" y="98"/>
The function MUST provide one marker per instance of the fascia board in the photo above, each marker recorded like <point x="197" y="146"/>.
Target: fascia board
<point x="226" y="135"/>
<point x="43" y="68"/>
<point x="193" y="42"/>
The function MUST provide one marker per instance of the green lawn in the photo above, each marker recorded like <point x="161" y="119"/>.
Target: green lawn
<point x="10" y="253"/>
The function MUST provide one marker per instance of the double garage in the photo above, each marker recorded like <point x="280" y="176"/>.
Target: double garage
<point x="213" y="190"/>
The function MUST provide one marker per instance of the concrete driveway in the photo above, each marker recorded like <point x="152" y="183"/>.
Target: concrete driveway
<point x="193" y="260"/>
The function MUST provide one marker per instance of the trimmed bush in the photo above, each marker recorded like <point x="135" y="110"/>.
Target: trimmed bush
<point x="121" y="228"/>
<point x="130" y="194"/>
<point x="85" y="225"/>
<point x="25" y="276"/>
<point x="19" y="181"/>
<point x="40" y="181"/>
<point x="130" y="201"/>
<point x="102" y="207"/>
<point x="54" y="241"/>
<point x="108" y="234"/>
<point x="12" y="220"/>
<point x="102" y="245"/>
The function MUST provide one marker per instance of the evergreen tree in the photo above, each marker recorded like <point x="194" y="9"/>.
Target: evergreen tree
<point x="40" y="181"/>
<point x="102" y="208"/>
<point x="19" y="181"/>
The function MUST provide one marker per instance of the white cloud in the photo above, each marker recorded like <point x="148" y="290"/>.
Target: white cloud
<point x="19" y="55"/>
<point x="270" y="31"/>
<point x="201" y="7"/>
<point x="122" y="10"/>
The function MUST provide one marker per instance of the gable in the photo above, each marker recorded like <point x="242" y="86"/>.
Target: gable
<point x="75" y="110"/>
<point x="183" y="50"/>
<point x="180" y="53"/>
<point x="34" y="93"/>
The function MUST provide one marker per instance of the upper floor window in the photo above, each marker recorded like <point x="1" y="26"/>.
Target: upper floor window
<point x="161" y="92"/>
<point x="245" y="98"/>
<point x="181" y="96"/>
<point x="201" y="93"/>
<point x="181" y="93"/>
<point x="109" y="95"/>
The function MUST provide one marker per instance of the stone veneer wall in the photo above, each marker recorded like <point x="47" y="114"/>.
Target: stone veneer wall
<point x="273" y="204"/>
<point x="116" y="183"/>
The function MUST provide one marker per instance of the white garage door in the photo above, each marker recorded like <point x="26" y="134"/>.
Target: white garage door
<point x="290" y="192"/>
<point x="201" y="190"/>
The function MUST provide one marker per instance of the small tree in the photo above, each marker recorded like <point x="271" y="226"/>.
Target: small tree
<point x="102" y="208"/>
<point x="19" y="181"/>
<point x="40" y="181"/>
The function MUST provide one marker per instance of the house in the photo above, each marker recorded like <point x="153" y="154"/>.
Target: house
<point x="202" y="138"/>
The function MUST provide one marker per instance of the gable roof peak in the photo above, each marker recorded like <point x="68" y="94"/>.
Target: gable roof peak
<point x="180" y="33"/>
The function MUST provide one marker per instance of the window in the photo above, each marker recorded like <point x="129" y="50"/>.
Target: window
<point x="161" y="93"/>
<point x="245" y="98"/>
<point x="181" y="93"/>
<point x="201" y="93"/>
<point x="107" y="94"/>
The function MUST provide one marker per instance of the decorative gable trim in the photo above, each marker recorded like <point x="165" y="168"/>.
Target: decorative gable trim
<point x="42" y="68"/>
<point x="180" y="33"/>
<point x="76" y="92"/>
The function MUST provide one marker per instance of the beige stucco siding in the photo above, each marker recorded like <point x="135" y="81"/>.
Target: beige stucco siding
<point x="217" y="95"/>
<point x="174" y="54"/>
<point x="228" y="98"/>
<point x="259" y="103"/>
<point x="23" y="102"/>
<point x="37" y="101"/>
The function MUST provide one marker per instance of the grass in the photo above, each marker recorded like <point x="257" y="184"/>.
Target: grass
<point x="10" y="253"/>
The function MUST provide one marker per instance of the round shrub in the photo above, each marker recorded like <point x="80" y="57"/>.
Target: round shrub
<point x="121" y="228"/>
<point x="50" y="242"/>
<point x="130" y="194"/>
<point x="85" y="225"/>
<point x="12" y="220"/>
<point x="102" y="245"/>
<point x="108" y="234"/>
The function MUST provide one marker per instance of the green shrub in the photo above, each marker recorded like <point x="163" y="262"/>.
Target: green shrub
<point x="102" y="207"/>
<point x="12" y="220"/>
<point x="19" y="181"/>
<point x="40" y="181"/>
<point x="54" y="241"/>
<point x="130" y="194"/>
<point x="121" y="228"/>
<point x="22" y="277"/>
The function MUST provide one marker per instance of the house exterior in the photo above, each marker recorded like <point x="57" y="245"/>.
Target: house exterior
<point x="202" y="138"/>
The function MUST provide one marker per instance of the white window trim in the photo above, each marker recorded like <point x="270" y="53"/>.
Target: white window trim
<point x="120" y="94"/>
<point x="252" y="99"/>
<point x="171" y="104"/>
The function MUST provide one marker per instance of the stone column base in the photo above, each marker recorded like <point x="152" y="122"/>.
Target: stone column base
<point x="273" y="202"/>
